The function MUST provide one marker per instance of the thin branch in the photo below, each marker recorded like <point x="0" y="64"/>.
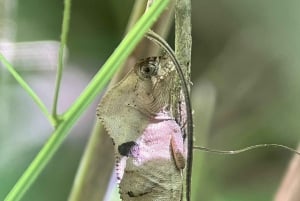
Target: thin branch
<point x="183" y="48"/>
<point x="27" y="88"/>
<point x="249" y="148"/>
<point x="183" y="34"/>
<point x="63" y="42"/>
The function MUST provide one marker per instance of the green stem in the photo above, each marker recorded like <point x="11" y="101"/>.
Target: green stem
<point x="27" y="88"/>
<point x="63" y="42"/>
<point x="85" y="99"/>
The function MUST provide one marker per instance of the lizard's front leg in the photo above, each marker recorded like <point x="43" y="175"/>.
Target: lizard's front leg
<point x="177" y="147"/>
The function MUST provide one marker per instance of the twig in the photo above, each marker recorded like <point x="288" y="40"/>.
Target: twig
<point x="183" y="48"/>
<point x="27" y="88"/>
<point x="183" y="37"/>
<point x="63" y="42"/>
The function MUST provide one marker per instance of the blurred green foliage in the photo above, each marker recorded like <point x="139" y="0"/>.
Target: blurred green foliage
<point x="248" y="52"/>
<point x="245" y="51"/>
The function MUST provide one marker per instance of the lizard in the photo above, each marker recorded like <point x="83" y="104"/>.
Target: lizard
<point x="149" y="147"/>
<point x="138" y="114"/>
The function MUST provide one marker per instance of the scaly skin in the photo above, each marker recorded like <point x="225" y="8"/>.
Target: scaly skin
<point x="148" y="141"/>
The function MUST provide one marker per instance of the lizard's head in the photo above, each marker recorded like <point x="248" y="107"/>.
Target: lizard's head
<point x="146" y="91"/>
<point x="155" y="84"/>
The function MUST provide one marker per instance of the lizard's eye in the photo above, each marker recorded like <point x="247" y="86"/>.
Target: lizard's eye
<point x="147" y="70"/>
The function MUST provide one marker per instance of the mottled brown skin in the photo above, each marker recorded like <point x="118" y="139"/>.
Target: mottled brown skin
<point x="148" y="141"/>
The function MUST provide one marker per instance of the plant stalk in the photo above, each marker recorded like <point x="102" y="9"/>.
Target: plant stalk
<point x="183" y="48"/>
